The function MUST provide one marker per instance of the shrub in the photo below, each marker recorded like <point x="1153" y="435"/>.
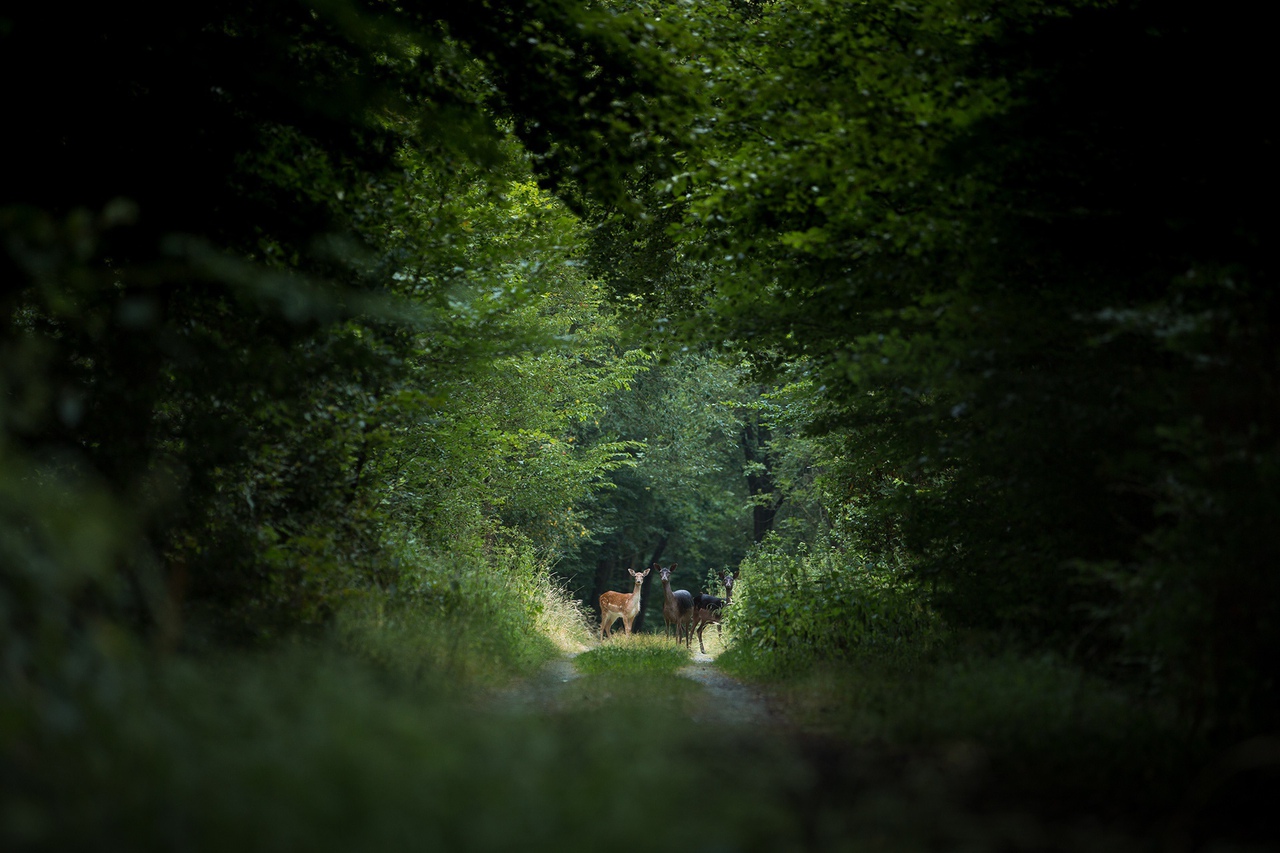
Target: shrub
<point x="793" y="609"/>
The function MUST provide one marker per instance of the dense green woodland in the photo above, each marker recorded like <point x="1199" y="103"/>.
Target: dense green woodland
<point x="400" y="332"/>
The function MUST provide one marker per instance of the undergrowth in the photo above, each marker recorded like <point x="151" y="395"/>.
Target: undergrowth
<point x="793" y="608"/>
<point x="1045" y="726"/>
<point x="308" y="748"/>
<point x="851" y="649"/>
<point x="466" y="622"/>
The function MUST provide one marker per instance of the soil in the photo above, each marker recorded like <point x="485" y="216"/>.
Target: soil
<point x="728" y="700"/>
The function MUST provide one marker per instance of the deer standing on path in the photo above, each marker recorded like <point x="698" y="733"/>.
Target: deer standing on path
<point x="708" y="609"/>
<point x="677" y="606"/>
<point x="620" y="604"/>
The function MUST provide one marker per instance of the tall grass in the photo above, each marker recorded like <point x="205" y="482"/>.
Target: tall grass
<point x="308" y="749"/>
<point x="471" y="622"/>
<point x="366" y="738"/>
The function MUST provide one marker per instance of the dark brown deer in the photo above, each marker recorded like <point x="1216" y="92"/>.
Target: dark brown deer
<point x="708" y="609"/>
<point x="615" y="605"/>
<point x="677" y="607"/>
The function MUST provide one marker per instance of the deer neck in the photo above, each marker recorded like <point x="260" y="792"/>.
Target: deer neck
<point x="633" y="604"/>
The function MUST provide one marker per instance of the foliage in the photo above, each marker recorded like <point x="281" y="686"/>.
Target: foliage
<point x="254" y="361"/>
<point x="794" y="609"/>
<point x="1013" y="249"/>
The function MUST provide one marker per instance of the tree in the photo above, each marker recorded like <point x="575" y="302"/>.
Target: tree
<point x="1014" y="246"/>
<point x="236" y="273"/>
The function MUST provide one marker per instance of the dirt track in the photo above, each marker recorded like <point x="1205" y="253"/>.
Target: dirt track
<point x="723" y="699"/>
<point x="868" y="796"/>
<point x="727" y="700"/>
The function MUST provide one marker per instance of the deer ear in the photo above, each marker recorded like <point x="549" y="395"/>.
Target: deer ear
<point x="673" y="566"/>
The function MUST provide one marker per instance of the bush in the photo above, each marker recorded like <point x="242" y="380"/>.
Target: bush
<point x="794" y="609"/>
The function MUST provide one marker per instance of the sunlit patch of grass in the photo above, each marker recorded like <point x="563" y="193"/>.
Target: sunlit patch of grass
<point x="470" y="623"/>
<point x="445" y="647"/>
<point x="715" y="642"/>
<point x="635" y="655"/>
<point x="561" y="618"/>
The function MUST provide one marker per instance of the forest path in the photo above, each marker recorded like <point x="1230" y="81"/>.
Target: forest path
<point x="722" y="700"/>
<point x="726" y="700"/>
<point x="544" y="692"/>
<point x="839" y="793"/>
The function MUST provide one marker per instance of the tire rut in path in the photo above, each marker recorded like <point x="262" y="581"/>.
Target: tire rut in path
<point x="727" y="700"/>
<point x="724" y="700"/>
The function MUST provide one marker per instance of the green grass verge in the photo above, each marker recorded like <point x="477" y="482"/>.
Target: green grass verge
<point x="308" y="748"/>
<point x="637" y="654"/>
<point x="1045" y="727"/>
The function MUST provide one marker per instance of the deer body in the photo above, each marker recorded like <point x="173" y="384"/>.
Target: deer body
<point x="708" y="609"/>
<point x="677" y="607"/>
<point x="615" y="605"/>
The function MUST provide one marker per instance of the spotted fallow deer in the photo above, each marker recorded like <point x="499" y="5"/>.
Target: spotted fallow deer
<point x="708" y="609"/>
<point x="620" y="604"/>
<point x="677" y="607"/>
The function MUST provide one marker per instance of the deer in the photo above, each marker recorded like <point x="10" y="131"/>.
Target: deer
<point x="708" y="609"/>
<point x="620" y="604"/>
<point x="677" y="607"/>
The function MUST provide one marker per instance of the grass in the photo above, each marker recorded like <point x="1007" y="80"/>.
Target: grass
<point x="315" y="747"/>
<point x="312" y="748"/>
<point x="1046" y="729"/>
<point x="635" y="654"/>
<point x="560" y="618"/>
<point x="383" y="738"/>
<point x="468" y="625"/>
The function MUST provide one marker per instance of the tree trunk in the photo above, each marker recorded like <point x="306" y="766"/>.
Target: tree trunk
<point x="755" y="447"/>
<point x="638" y="625"/>
<point x="605" y="568"/>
